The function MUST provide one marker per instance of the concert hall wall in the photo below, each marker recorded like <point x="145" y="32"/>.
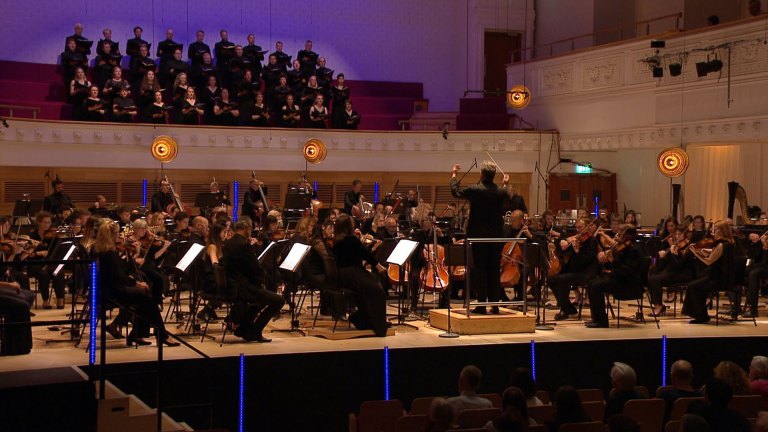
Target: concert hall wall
<point x="398" y="40"/>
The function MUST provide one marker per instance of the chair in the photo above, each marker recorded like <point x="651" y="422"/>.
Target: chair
<point x="221" y="296"/>
<point x="680" y="407"/>
<point x="541" y="413"/>
<point x="590" y="395"/>
<point x="638" y="297"/>
<point x="411" y="423"/>
<point x="595" y="410"/>
<point x="747" y="405"/>
<point x="661" y="389"/>
<point x="672" y="426"/>
<point x="493" y="397"/>
<point x="740" y="276"/>
<point x="476" y="418"/>
<point x="596" y="426"/>
<point x="543" y="396"/>
<point x="537" y="428"/>
<point x="649" y="413"/>
<point x="420" y="405"/>
<point x="377" y="416"/>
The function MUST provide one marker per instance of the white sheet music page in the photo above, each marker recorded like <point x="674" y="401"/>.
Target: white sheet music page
<point x="297" y="253"/>
<point x="402" y="251"/>
<point x="193" y="251"/>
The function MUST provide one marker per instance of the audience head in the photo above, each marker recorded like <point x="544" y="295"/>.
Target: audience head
<point x="718" y="393"/>
<point x="470" y="378"/>
<point x="623" y="376"/>
<point x="522" y="378"/>
<point x="758" y="368"/>
<point x="693" y="423"/>
<point x="514" y="397"/>
<point x="567" y="403"/>
<point x="441" y="414"/>
<point x="733" y="375"/>
<point x="681" y="373"/>
<point x="622" y="423"/>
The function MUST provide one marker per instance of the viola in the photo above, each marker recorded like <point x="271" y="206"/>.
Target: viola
<point x="554" y="262"/>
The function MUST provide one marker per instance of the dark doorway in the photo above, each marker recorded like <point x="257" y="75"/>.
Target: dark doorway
<point x="500" y="48"/>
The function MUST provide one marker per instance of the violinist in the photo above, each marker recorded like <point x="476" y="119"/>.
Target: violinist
<point x="162" y="199"/>
<point x="489" y="204"/>
<point x="58" y="201"/>
<point x="44" y="234"/>
<point x="581" y="266"/>
<point x="699" y="229"/>
<point x="219" y="234"/>
<point x="150" y="251"/>
<point x="12" y="250"/>
<point x="181" y="229"/>
<point x="756" y="271"/>
<point x="624" y="261"/>
<point x="630" y="218"/>
<point x="199" y="230"/>
<point x="719" y="260"/>
<point x="668" y="228"/>
<point x="673" y="266"/>
<point x="252" y="196"/>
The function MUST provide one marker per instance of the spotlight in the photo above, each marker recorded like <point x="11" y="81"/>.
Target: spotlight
<point x="675" y="69"/>
<point x="714" y="65"/>
<point x="702" y="68"/>
<point x="658" y="43"/>
<point x="658" y="71"/>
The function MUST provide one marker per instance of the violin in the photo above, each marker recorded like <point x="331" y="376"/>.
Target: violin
<point x="278" y="234"/>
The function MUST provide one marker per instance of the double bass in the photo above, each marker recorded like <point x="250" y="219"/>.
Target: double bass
<point x="176" y="200"/>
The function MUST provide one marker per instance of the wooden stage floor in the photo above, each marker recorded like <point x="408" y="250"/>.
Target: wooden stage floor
<point x="51" y="349"/>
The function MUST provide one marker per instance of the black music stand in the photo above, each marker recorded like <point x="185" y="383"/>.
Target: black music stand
<point x="454" y="257"/>
<point x="271" y="255"/>
<point x="399" y="256"/>
<point x="538" y="257"/>
<point x="181" y="268"/>
<point x="298" y="201"/>
<point x="24" y="209"/>
<point x="291" y="264"/>
<point x="65" y="250"/>
<point x="205" y="201"/>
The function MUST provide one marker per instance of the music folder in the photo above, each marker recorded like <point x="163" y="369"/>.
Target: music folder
<point x="71" y="248"/>
<point x="192" y="253"/>
<point x="402" y="252"/>
<point x="295" y="257"/>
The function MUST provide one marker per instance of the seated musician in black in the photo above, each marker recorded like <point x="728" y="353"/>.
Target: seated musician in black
<point x="352" y="197"/>
<point x="674" y="266"/>
<point x="369" y="296"/>
<point x="720" y="262"/>
<point x="252" y="197"/>
<point x="756" y="271"/>
<point x="579" y="266"/>
<point x="162" y="199"/>
<point x="255" y="306"/>
<point x="624" y="279"/>
<point x="519" y="228"/>
<point x="424" y="255"/>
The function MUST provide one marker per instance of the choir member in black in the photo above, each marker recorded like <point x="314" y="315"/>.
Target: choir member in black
<point x="578" y="266"/>
<point x="133" y="45"/>
<point x="369" y="296"/>
<point x="255" y="54"/>
<point x="622" y="275"/>
<point x="238" y="65"/>
<point x="44" y="234"/>
<point x="673" y="266"/>
<point x="113" y="86"/>
<point x="251" y="197"/>
<point x="140" y="65"/>
<point x="349" y="118"/>
<point x="255" y="305"/>
<point x="106" y="63"/>
<point x="225" y="110"/>
<point x="271" y="76"/>
<point x="281" y="91"/>
<point x="198" y="48"/>
<point x="224" y="50"/>
<point x="191" y="109"/>
<point x="171" y="69"/>
<point x="78" y="36"/>
<point x="93" y="107"/>
<point x="757" y="270"/>
<point x="308" y="59"/>
<point x="115" y="46"/>
<point x="282" y="58"/>
<point x="324" y="79"/>
<point x="310" y="93"/>
<point x="290" y="114"/>
<point x="125" y="289"/>
<point x="71" y="59"/>
<point x="720" y="262"/>
<point x="180" y="87"/>
<point x="79" y="88"/>
<point x="318" y="114"/>
<point x="162" y="199"/>
<point x="210" y="93"/>
<point x="245" y="89"/>
<point x="146" y="94"/>
<point x="352" y="197"/>
<point x="124" y="109"/>
<point x="158" y="112"/>
<point x="489" y="204"/>
<point x="339" y="97"/>
<point x="255" y="113"/>
<point x="166" y="48"/>
<point x="297" y="80"/>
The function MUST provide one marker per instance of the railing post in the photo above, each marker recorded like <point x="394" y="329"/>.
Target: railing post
<point x="160" y="335"/>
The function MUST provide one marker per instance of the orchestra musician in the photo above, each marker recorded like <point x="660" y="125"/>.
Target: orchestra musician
<point x="255" y="305"/>
<point x="251" y="197"/>
<point x="673" y="266"/>
<point x="519" y="227"/>
<point x="149" y="253"/>
<point x="369" y="296"/>
<point x="580" y="267"/>
<point x="489" y="204"/>
<point x="162" y="199"/>
<point x="352" y="197"/>
<point x="699" y="229"/>
<point x="57" y="201"/>
<point x="44" y="235"/>
<point x="756" y="271"/>
<point x="625" y="264"/>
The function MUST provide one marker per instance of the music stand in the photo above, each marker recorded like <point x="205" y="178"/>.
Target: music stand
<point x="291" y="264"/>
<point x="299" y="201"/>
<point x="536" y="257"/>
<point x="65" y="250"/>
<point x="271" y="255"/>
<point x="399" y="256"/>
<point x="24" y="209"/>
<point x="195" y="249"/>
<point x="454" y="257"/>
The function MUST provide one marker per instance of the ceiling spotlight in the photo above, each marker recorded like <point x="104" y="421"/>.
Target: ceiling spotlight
<point x="675" y="69"/>
<point x="714" y="66"/>
<point x="702" y="68"/>
<point x="658" y="43"/>
<point x="658" y="71"/>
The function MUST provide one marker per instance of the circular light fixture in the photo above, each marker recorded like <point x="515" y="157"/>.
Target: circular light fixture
<point x="314" y="151"/>
<point x="518" y="97"/>
<point x="673" y="162"/>
<point x="164" y="148"/>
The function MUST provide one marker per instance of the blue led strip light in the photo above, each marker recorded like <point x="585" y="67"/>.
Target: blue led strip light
<point x="386" y="373"/>
<point x="235" y="195"/>
<point x="533" y="359"/>
<point x="375" y="192"/>
<point x="242" y="394"/>
<point x="144" y="192"/>
<point x="664" y="361"/>
<point x="94" y="316"/>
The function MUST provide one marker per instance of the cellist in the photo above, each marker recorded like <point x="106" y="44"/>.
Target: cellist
<point x="425" y="235"/>
<point x="510" y="262"/>
<point x="579" y="267"/>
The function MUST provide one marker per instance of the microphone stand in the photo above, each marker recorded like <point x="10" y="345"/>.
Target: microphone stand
<point x="461" y="212"/>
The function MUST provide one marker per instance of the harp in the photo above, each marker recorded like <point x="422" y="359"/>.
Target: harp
<point x="737" y="193"/>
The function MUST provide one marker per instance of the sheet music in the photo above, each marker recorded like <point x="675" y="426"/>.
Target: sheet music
<point x="192" y="253"/>
<point x="295" y="256"/>
<point x="266" y="249"/>
<point x="69" y="253"/>
<point x="402" y="252"/>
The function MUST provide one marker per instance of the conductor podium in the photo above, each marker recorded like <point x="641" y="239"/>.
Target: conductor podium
<point x="506" y="322"/>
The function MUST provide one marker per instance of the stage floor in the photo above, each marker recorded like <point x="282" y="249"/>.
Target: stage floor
<point x="52" y="349"/>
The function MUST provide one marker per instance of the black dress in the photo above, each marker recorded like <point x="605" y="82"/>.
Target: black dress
<point x="317" y="117"/>
<point x="189" y="113"/>
<point x="157" y="114"/>
<point x="348" y="120"/>
<point x="339" y="97"/>
<point x="288" y="116"/>
<point x="721" y="277"/>
<point x="369" y="296"/>
<point x="90" y="111"/>
<point x="120" y="109"/>
<point x="77" y="98"/>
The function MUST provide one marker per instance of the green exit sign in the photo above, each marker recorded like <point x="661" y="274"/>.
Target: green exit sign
<point x="584" y="168"/>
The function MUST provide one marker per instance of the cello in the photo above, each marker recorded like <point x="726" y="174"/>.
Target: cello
<point x="434" y="274"/>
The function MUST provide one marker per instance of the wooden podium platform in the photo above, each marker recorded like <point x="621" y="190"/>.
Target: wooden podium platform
<point x="507" y="321"/>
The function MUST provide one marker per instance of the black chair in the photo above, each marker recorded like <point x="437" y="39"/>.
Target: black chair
<point x="221" y="297"/>
<point x="735" y="292"/>
<point x="644" y="266"/>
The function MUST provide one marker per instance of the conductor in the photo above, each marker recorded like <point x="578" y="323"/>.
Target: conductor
<point x="486" y="220"/>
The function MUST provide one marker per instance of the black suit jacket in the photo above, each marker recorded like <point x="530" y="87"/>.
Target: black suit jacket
<point x="488" y="205"/>
<point x="240" y="264"/>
